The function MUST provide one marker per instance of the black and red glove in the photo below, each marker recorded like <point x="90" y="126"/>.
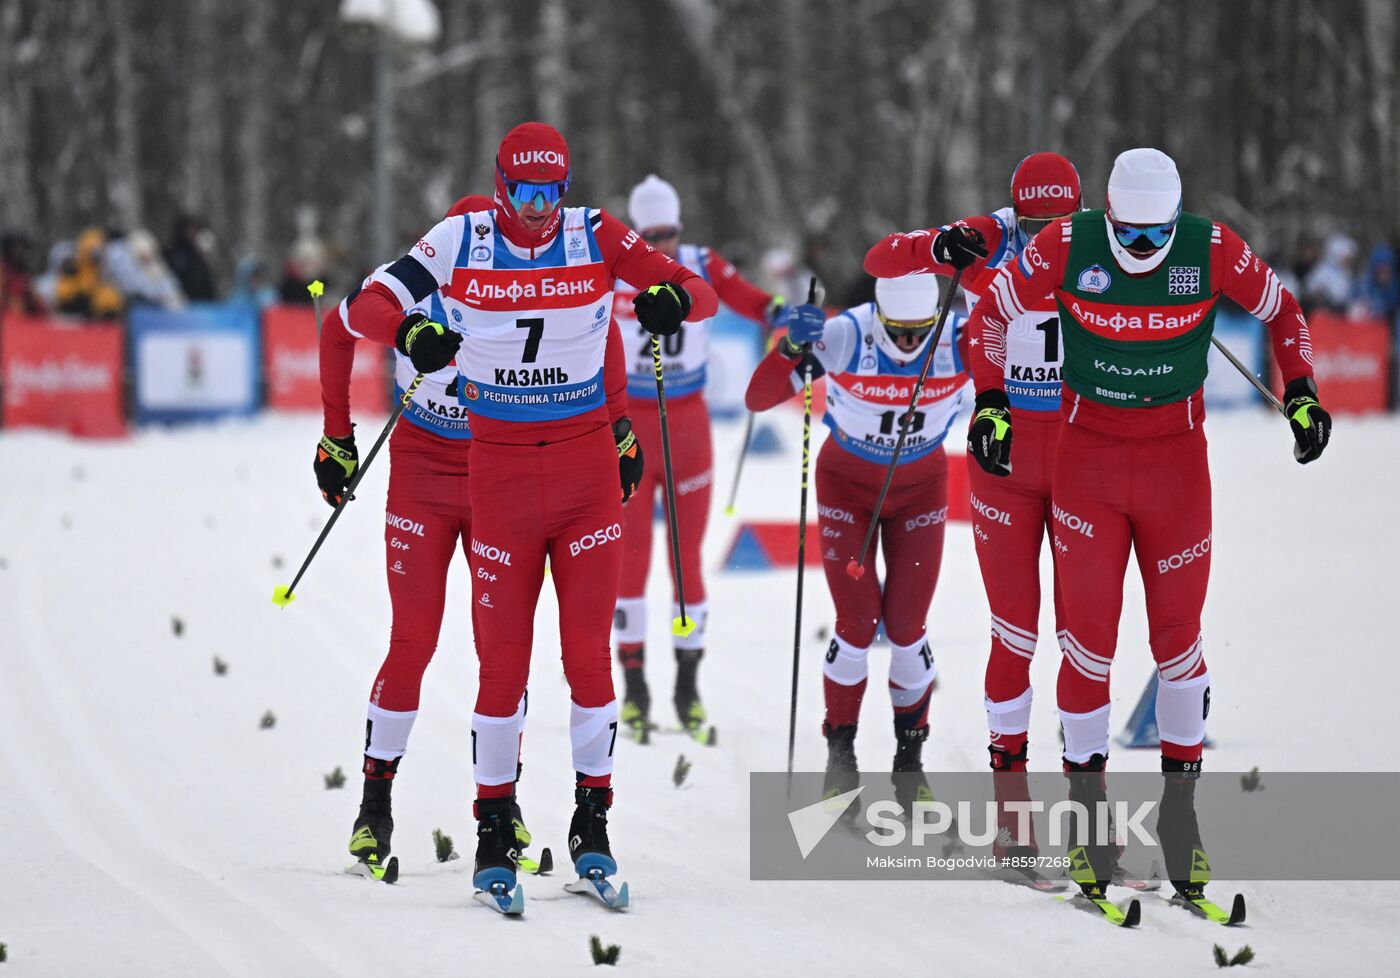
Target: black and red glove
<point x="431" y="346"/>
<point x="959" y="246"/>
<point x="1312" y="426"/>
<point x="662" y="308"/>
<point x="629" y="457"/>
<point x="336" y="461"/>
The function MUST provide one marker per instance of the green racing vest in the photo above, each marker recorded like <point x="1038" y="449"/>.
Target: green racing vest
<point x="1136" y="340"/>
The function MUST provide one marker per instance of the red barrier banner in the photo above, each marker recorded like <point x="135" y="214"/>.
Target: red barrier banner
<point x="62" y="375"/>
<point x="1350" y="360"/>
<point x="292" y="364"/>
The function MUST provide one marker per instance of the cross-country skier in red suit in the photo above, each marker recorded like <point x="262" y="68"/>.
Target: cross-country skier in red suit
<point x="1012" y="515"/>
<point x="873" y="355"/>
<point x="655" y="210"/>
<point x="427" y="512"/>
<point x="1136" y="287"/>
<point x="532" y="282"/>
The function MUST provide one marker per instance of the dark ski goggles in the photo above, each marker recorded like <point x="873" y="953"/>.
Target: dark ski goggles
<point x="653" y="235"/>
<point x="543" y="195"/>
<point x="1157" y="235"/>
<point x="916" y="330"/>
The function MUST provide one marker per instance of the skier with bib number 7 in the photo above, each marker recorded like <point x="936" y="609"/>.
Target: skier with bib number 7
<point x="532" y="281"/>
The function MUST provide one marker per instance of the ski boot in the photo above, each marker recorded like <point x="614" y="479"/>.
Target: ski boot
<point x="374" y="825"/>
<point x="908" y="766"/>
<point x="1091" y="864"/>
<point x="496" y="848"/>
<point x="841" y="772"/>
<point x="590" y="851"/>
<point x="493" y="873"/>
<point x="689" y="710"/>
<point x="636" y="704"/>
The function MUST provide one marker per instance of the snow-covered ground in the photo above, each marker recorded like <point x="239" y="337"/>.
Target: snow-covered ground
<point x="153" y="828"/>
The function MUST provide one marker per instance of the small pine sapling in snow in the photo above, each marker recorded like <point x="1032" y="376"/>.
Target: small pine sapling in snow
<point x="1223" y="960"/>
<point x="442" y="844"/>
<point x="1251" y="781"/>
<point x="336" y="779"/>
<point x="220" y="666"/>
<point x="268" y="721"/>
<point x="602" y="955"/>
<point x="4" y="953"/>
<point x="177" y="625"/>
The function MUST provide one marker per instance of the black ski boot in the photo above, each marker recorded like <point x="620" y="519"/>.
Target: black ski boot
<point x="689" y="710"/>
<point x="588" y="832"/>
<point x="1187" y="867"/>
<point x="496" y="848"/>
<point x="841" y="772"/>
<point x="910" y="785"/>
<point x="374" y="826"/>
<point x="636" y="703"/>
<point x="1091" y="864"/>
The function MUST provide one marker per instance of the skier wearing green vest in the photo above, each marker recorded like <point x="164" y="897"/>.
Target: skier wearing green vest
<point x="1136" y="286"/>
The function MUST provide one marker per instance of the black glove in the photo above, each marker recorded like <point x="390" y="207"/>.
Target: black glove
<point x="336" y="460"/>
<point x="1312" y="426"/>
<point x="959" y="246"/>
<point x="431" y="346"/>
<point x="662" y="308"/>
<point x="989" y="436"/>
<point x="629" y="457"/>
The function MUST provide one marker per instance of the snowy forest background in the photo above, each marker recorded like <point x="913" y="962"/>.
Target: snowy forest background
<point x="818" y="125"/>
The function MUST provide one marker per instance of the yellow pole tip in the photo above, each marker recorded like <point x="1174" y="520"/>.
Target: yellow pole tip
<point x="729" y="511"/>
<point x="281" y="596"/>
<point x="682" y="626"/>
<point x="317" y="288"/>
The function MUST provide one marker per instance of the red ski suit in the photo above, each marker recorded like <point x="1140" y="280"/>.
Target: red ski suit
<point x="544" y="463"/>
<point x="851" y="467"/>
<point x="1011" y="516"/>
<point x="688" y="419"/>
<point x="1132" y="478"/>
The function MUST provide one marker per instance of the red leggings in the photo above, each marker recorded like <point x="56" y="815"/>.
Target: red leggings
<point x="911" y="536"/>
<point x="428" y="511"/>
<point x="1113" y="494"/>
<point x="1010" y="519"/>
<point x="688" y="419"/>
<point x="560" y="501"/>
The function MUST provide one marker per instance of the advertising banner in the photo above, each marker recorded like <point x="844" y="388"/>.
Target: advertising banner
<point x="62" y="375"/>
<point x="195" y="364"/>
<point x="291" y="358"/>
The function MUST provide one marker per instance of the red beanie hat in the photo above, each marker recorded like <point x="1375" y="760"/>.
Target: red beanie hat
<point x="1045" y="185"/>
<point x="534" y="153"/>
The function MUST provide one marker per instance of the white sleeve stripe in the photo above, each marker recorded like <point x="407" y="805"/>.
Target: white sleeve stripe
<point x="345" y="320"/>
<point x="1268" y="305"/>
<point x="1007" y="300"/>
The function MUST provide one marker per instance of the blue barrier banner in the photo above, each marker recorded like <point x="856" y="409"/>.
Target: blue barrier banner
<point x="736" y="346"/>
<point x="1225" y="389"/>
<point x="195" y="364"/>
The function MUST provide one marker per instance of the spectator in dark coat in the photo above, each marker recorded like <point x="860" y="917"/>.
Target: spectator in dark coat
<point x="187" y="257"/>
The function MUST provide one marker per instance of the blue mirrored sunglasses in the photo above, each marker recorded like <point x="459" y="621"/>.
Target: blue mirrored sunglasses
<point x="1157" y="235"/>
<point x="523" y="194"/>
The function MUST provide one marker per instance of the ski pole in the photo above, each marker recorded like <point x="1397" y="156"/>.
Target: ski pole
<point x="317" y="289"/>
<point x="856" y="568"/>
<point x="744" y="451"/>
<point x="1249" y="375"/>
<point x="801" y="538"/>
<point x="282" y="595"/>
<point x="739" y="470"/>
<point x="682" y="625"/>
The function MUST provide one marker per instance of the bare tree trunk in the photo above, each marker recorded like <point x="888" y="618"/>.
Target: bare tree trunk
<point x="257" y="109"/>
<point x="552" y="65"/>
<point x="204" y="190"/>
<point x="124" y="173"/>
<point x="19" y="50"/>
<point x="1380" y="33"/>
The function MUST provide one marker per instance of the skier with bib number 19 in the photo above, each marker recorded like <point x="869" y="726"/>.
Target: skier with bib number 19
<point x="532" y="281"/>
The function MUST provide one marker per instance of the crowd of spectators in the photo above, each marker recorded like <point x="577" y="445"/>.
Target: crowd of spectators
<point x="103" y="273"/>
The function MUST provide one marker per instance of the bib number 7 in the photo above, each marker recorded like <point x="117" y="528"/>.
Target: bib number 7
<point x="532" y="338"/>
